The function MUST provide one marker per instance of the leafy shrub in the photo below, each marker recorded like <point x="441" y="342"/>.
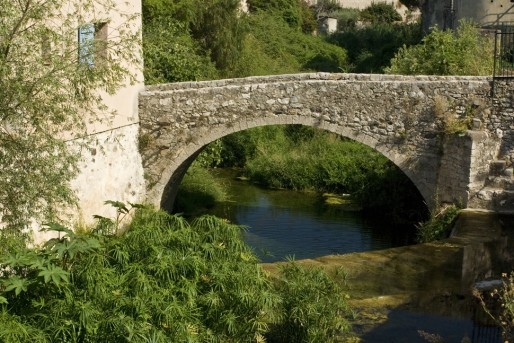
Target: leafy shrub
<point x="380" y="13"/>
<point x="465" y="52"/>
<point x="163" y="280"/>
<point x="296" y="13"/>
<point x="273" y="47"/>
<point x="172" y="55"/>
<point x="313" y="307"/>
<point x="439" y="225"/>
<point x="198" y="191"/>
<point x="371" y="48"/>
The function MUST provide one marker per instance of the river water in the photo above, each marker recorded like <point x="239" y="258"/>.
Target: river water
<point x="283" y="224"/>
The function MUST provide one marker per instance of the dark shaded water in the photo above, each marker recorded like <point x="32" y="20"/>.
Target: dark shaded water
<point x="285" y="223"/>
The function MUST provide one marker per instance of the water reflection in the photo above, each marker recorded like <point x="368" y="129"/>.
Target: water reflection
<point x="284" y="223"/>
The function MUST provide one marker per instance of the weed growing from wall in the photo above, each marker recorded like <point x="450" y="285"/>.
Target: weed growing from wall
<point x="439" y="225"/>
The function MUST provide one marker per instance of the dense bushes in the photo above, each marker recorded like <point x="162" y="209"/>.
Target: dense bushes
<point x="198" y="191"/>
<point x="309" y="299"/>
<point x="273" y="47"/>
<point x="464" y="52"/>
<point x="303" y="158"/>
<point x="370" y="49"/>
<point x="439" y="225"/>
<point x="162" y="280"/>
<point x="196" y="40"/>
<point x="380" y="13"/>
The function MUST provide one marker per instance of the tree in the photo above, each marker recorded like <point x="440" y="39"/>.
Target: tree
<point x="191" y="39"/>
<point x="51" y="86"/>
<point x="380" y="13"/>
<point x="296" y="13"/>
<point x="221" y="30"/>
<point x="464" y="52"/>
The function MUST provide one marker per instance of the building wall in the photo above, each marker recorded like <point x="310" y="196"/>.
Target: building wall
<point x="447" y="13"/>
<point x="110" y="166"/>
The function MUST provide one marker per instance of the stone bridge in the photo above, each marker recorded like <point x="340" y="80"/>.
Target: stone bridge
<point x="450" y="135"/>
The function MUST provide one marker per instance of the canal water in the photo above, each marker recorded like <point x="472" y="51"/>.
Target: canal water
<point x="285" y="224"/>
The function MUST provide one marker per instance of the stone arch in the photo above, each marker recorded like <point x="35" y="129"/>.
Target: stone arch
<point x="165" y="190"/>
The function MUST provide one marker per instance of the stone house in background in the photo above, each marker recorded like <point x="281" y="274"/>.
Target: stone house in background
<point x="445" y="14"/>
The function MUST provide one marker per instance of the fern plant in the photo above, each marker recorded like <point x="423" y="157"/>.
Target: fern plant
<point x="162" y="280"/>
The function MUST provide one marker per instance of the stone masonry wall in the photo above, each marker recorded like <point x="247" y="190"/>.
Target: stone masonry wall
<point x="393" y="114"/>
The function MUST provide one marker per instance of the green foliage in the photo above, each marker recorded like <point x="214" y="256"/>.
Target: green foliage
<point x="313" y="307"/>
<point x="45" y="91"/>
<point x="380" y="13"/>
<point x="183" y="11"/>
<point x="198" y="191"/>
<point x="302" y="158"/>
<point x="172" y="55"/>
<point x="296" y="13"/>
<point x="196" y="40"/>
<point x="191" y="39"/>
<point x="220" y="28"/>
<point x="210" y="157"/>
<point x="273" y="47"/>
<point x="347" y="18"/>
<point x="163" y="280"/>
<point x="371" y="48"/>
<point x="327" y="7"/>
<point x="465" y="52"/>
<point x="241" y="147"/>
<point x="439" y="225"/>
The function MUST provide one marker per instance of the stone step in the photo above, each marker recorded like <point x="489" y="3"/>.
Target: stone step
<point x="497" y="199"/>
<point x="496" y="168"/>
<point x="500" y="182"/>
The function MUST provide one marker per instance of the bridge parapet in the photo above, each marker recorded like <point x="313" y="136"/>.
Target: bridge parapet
<point x="396" y="115"/>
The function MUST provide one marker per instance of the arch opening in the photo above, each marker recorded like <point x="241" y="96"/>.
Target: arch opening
<point x="415" y="193"/>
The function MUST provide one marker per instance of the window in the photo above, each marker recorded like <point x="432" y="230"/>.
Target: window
<point x="46" y="48"/>
<point x="92" y="43"/>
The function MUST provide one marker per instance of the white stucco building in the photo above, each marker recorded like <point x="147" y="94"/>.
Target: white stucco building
<point x="111" y="168"/>
<point x="110" y="165"/>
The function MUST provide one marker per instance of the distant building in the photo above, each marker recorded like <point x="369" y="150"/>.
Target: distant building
<point x="362" y="4"/>
<point x="445" y="14"/>
<point x="327" y="25"/>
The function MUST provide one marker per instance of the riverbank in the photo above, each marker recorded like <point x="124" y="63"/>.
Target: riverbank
<point x="400" y="291"/>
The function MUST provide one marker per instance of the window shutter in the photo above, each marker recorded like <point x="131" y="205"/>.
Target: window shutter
<point x="86" y="40"/>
